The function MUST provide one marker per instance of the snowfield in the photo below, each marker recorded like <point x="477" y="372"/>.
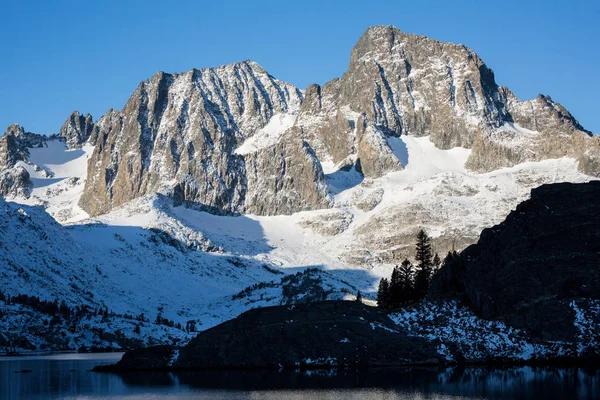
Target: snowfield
<point x="269" y="135"/>
<point x="153" y="258"/>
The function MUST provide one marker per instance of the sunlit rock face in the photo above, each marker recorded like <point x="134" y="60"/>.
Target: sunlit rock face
<point x="179" y="132"/>
<point x="77" y="130"/>
<point x="233" y="139"/>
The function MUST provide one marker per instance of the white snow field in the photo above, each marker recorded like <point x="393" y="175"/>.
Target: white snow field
<point x="268" y="135"/>
<point x="153" y="258"/>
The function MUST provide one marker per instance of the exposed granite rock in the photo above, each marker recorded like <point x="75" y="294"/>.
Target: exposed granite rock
<point x="77" y="129"/>
<point x="541" y="114"/>
<point x="396" y="84"/>
<point x="554" y="133"/>
<point x="416" y="85"/>
<point x="15" y="145"/>
<point x="284" y="178"/>
<point x="324" y="334"/>
<point x="10" y="151"/>
<point x="14" y="182"/>
<point x="178" y="133"/>
<point x="400" y="83"/>
<point x="534" y="269"/>
<point x="374" y="157"/>
<point x="26" y="140"/>
<point x="371" y="200"/>
<point x="329" y="224"/>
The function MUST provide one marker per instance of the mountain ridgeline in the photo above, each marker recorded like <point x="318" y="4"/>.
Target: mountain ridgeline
<point x="178" y="133"/>
<point x="185" y="128"/>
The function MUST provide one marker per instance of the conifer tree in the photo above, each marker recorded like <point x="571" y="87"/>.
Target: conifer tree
<point x="436" y="261"/>
<point x="359" y="297"/>
<point x="424" y="264"/>
<point x="406" y="279"/>
<point x="395" y="289"/>
<point x="383" y="294"/>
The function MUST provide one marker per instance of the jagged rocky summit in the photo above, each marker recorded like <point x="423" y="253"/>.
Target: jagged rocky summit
<point x="179" y="133"/>
<point x="234" y="139"/>
<point x="77" y="130"/>
<point x="14" y="180"/>
<point x="15" y="144"/>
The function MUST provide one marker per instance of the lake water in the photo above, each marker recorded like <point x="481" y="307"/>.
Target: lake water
<point x="68" y="376"/>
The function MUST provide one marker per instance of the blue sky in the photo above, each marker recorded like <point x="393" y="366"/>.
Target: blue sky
<point x="59" y="56"/>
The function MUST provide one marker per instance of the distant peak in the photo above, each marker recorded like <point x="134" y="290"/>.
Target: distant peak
<point x="15" y="130"/>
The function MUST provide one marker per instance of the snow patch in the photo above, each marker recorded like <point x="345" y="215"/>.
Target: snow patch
<point x="269" y="135"/>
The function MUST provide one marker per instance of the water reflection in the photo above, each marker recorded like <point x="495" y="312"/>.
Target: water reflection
<point x="69" y="377"/>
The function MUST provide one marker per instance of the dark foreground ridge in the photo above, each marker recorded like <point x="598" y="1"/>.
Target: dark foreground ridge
<point x="315" y="335"/>
<point x="538" y="271"/>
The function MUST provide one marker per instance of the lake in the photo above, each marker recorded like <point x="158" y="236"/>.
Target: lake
<point x="68" y="376"/>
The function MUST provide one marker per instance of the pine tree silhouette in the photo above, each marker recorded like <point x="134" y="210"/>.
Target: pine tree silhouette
<point x="406" y="272"/>
<point x="383" y="294"/>
<point x="424" y="264"/>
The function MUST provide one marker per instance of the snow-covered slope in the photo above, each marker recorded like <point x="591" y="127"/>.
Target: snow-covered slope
<point x="151" y="257"/>
<point x="149" y="254"/>
<point x="57" y="175"/>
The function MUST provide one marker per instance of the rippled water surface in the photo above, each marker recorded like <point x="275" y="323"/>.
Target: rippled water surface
<point x="68" y="376"/>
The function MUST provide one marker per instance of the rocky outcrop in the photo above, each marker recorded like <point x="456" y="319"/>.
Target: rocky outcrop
<point x="77" y="129"/>
<point x="538" y="268"/>
<point x="397" y="84"/>
<point x="10" y="152"/>
<point x="537" y="129"/>
<point x="317" y="335"/>
<point x="178" y="132"/>
<point x="14" y="180"/>
<point x="284" y="178"/>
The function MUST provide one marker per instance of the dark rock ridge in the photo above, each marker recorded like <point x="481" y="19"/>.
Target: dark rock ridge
<point x="323" y="334"/>
<point x="178" y="132"/>
<point x="538" y="268"/>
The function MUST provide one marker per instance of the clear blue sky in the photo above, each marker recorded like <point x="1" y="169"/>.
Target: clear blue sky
<point x="58" y="56"/>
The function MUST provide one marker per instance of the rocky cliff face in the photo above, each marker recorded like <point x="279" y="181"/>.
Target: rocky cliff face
<point x="77" y="129"/>
<point x="14" y="180"/>
<point x="9" y="149"/>
<point x="539" y="268"/>
<point x="178" y="133"/>
<point x="397" y="84"/>
<point x="400" y="83"/>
